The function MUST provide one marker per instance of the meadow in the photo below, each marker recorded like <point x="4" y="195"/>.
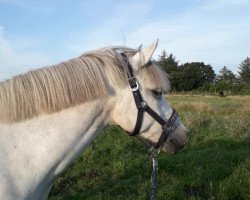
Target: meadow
<point x="214" y="165"/>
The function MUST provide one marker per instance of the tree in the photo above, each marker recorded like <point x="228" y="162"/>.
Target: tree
<point x="194" y="75"/>
<point x="170" y="66"/>
<point x="226" y="75"/>
<point x="168" y="62"/>
<point x="188" y="76"/>
<point x="245" y="70"/>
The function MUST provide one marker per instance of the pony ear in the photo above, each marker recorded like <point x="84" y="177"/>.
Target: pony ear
<point x="143" y="57"/>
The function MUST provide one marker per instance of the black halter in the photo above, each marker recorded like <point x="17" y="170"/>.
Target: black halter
<point x="142" y="106"/>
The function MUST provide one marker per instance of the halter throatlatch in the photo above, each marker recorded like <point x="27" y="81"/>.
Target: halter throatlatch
<point x="142" y="106"/>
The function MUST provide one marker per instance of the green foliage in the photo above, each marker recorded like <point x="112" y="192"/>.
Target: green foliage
<point x="226" y="75"/>
<point x="188" y="76"/>
<point x="245" y="70"/>
<point x="170" y="65"/>
<point x="227" y="88"/>
<point x="198" y="77"/>
<point x="194" y="75"/>
<point x="168" y="62"/>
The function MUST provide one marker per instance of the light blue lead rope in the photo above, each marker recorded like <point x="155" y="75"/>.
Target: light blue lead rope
<point x="153" y="179"/>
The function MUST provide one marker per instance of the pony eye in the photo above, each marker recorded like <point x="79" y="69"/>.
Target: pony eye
<point x="157" y="93"/>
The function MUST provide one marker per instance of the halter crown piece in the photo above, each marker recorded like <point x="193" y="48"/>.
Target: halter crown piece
<point x="142" y="106"/>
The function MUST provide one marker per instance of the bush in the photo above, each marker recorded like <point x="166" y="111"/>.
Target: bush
<point x="226" y="88"/>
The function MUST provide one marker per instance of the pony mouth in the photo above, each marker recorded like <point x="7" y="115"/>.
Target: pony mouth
<point x="172" y="147"/>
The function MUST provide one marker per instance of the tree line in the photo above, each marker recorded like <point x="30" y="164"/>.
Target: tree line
<point x="200" y="77"/>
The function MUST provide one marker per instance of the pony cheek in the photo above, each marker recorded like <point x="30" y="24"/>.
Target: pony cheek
<point x="123" y="119"/>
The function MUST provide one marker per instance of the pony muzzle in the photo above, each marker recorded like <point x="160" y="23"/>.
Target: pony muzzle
<point x="176" y="143"/>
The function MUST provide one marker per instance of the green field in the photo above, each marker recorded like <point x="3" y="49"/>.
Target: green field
<point x="214" y="165"/>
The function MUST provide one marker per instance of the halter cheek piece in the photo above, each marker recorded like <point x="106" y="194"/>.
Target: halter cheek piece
<point x="142" y="106"/>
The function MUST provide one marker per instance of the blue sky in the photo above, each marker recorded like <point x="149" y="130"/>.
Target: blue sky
<point x="39" y="33"/>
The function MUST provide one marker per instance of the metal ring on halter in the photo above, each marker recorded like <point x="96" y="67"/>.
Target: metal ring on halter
<point x="134" y="88"/>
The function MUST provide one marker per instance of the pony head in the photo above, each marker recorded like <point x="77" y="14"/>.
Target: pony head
<point x="152" y="83"/>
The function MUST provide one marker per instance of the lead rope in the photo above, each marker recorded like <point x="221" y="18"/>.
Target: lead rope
<point x="153" y="180"/>
<point x="154" y="153"/>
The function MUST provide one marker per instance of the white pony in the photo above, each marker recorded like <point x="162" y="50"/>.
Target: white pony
<point x="50" y="115"/>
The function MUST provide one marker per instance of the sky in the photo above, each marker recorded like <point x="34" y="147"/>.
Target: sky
<point x="39" y="33"/>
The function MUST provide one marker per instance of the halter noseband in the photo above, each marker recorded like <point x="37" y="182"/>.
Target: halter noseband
<point x="142" y="106"/>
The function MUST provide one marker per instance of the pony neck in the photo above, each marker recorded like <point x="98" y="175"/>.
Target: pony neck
<point x="44" y="146"/>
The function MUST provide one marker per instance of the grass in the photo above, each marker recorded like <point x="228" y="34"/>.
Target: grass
<point x="214" y="165"/>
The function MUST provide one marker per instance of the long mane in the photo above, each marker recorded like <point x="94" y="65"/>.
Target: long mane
<point x="54" y="88"/>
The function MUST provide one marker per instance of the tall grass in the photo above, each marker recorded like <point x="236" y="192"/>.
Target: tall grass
<point x="214" y="165"/>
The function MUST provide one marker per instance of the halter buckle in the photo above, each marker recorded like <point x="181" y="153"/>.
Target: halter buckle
<point x="133" y="85"/>
<point x="143" y="105"/>
<point x="167" y="127"/>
